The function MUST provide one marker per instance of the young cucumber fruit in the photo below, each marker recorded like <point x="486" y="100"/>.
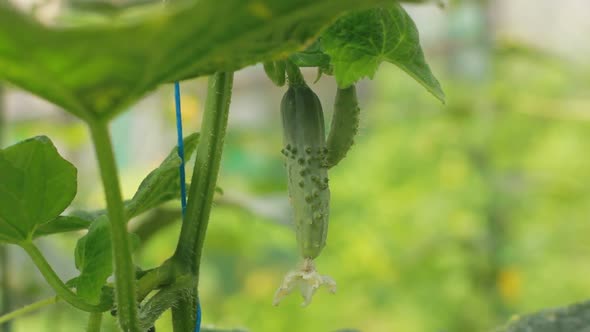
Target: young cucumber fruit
<point x="345" y="124"/>
<point x="305" y="151"/>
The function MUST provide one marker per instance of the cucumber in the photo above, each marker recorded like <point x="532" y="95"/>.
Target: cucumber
<point x="345" y="124"/>
<point x="305" y="151"/>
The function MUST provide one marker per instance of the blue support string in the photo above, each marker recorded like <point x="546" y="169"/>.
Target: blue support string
<point x="180" y="138"/>
<point x="183" y="175"/>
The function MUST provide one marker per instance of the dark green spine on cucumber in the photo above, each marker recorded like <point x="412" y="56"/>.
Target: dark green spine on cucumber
<point x="345" y="124"/>
<point x="305" y="152"/>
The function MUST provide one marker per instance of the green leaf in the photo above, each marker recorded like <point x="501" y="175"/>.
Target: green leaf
<point x="313" y="56"/>
<point x="275" y="71"/>
<point x="359" y="42"/>
<point x="161" y="184"/>
<point x="62" y="224"/>
<point x="93" y="258"/>
<point x="573" y="318"/>
<point x="36" y="185"/>
<point x="97" y="69"/>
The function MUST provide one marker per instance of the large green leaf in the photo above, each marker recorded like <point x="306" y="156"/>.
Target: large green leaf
<point x="97" y="69"/>
<point x="11" y="184"/>
<point x="159" y="186"/>
<point x="162" y="184"/>
<point x="36" y="185"/>
<point x="573" y="318"/>
<point x="359" y="42"/>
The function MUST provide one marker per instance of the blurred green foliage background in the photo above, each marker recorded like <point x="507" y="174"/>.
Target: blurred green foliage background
<point x="444" y="217"/>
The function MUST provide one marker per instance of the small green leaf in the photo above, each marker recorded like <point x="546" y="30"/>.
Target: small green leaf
<point x="36" y="185"/>
<point x="161" y="184"/>
<point x="275" y="71"/>
<point x="359" y="42"/>
<point x="573" y="318"/>
<point x="94" y="259"/>
<point x="62" y="224"/>
<point x="313" y="56"/>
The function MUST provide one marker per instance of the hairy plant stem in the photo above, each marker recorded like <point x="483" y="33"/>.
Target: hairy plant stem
<point x="294" y="75"/>
<point x="55" y="282"/>
<point x="156" y="278"/>
<point x="163" y="300"/>
<point x="94" y="322"/>
<point x="123" y="268"/>
<point x="200" y="197"/>
<point x="28" y="309"/>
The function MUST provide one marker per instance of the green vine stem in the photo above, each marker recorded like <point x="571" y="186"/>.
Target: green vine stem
<point x="28" y="309"/>
<point x="94" y="322"/>
<point x="294" y="75"/>
<point x="200" y="196"/>
<point x="166" y="298"/>
<point x="154" y="279"/>
<point x="55" y="282"/>
<point x="124" y="269"/>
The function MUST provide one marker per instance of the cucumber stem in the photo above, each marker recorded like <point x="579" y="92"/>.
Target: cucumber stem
<point x="294" y="75"/>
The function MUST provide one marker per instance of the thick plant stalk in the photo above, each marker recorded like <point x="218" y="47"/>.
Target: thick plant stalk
<point x="123" y="267"/>
<point x="94" y="322"/>
<point x="158" y="277"/>
<point x="166" y="298"/>
<point x="200" y="197"/>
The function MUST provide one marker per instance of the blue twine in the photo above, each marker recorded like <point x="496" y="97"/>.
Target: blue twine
<point x="180" y="137"/>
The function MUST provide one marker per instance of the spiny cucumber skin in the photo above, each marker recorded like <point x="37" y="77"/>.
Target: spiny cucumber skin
<point x="305" y="151"/>
<point x="345" y="124"/>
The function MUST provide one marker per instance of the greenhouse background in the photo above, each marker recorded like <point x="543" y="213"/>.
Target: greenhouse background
<point x="444" y="218"/>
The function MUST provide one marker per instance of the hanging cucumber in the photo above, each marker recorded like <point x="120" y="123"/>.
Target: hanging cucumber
<point x="305" y="151"/>
<point x="345" y="124"/>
